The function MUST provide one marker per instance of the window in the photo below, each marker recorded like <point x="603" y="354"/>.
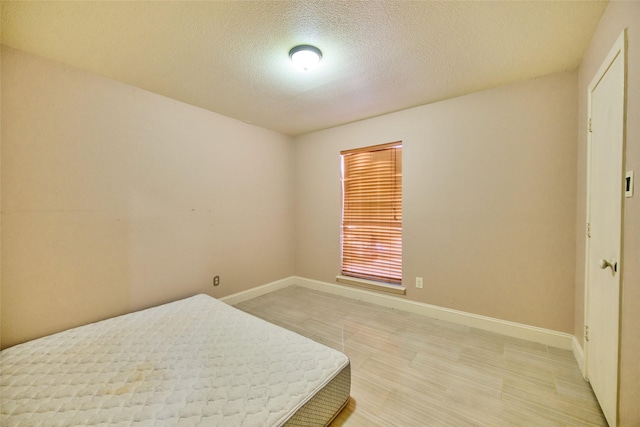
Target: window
<point x="371" y="232"/>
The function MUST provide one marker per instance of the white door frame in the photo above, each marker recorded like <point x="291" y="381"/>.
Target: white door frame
<point x="619" y="48"/>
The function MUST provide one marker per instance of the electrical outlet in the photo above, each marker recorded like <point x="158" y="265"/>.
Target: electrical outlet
<point x="419" y="282"/>
<point x="216" y="280"/>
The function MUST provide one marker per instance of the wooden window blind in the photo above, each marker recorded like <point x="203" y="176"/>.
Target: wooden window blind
<point x="371" y="233"/>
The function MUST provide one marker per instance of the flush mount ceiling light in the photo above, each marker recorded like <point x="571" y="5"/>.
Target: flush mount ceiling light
<point x="305" y="57"/>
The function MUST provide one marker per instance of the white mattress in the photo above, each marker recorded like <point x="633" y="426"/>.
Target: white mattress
<point x="193" y="362"/>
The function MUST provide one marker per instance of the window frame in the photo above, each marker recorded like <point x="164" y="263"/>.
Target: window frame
<point x="376" y="199"/>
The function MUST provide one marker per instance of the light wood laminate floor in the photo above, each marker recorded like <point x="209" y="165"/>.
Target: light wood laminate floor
<point x="411" y="370"/>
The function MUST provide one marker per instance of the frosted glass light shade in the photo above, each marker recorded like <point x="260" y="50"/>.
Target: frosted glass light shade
<point x="305" y="57"/>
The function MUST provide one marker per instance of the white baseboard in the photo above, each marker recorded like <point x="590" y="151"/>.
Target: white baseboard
<point x="578" y="353"/>
<point x="504" y="327"/>
<point x="239" y="297"/>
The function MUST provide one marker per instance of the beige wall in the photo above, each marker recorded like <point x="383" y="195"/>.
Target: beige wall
<point x="115" y="199"/>
<point x="489" y="196"/>
<point x="618" y="15"/>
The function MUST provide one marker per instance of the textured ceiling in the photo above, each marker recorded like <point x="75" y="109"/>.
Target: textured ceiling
<point x="379" y="57"/>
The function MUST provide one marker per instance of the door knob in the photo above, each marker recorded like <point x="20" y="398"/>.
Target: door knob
<point x="605" y="264"/>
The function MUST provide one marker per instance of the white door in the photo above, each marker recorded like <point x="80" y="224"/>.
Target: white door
<point x="606" y="100"/>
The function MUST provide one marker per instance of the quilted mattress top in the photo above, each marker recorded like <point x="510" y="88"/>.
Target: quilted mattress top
<point x="196" y="361"/>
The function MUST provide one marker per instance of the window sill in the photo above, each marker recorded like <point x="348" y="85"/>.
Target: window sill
<point x="371" y="285"/>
